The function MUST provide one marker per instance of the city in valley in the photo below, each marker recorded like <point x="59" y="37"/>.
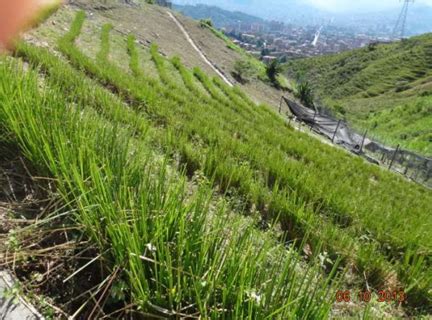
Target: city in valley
<point x="276" y="40"/>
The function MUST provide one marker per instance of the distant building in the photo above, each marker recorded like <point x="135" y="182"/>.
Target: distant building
<point x="257" y="27"/>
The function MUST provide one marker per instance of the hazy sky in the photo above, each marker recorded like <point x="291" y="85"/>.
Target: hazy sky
<point x="326" y="5"/>
<point x="363" y="5"/>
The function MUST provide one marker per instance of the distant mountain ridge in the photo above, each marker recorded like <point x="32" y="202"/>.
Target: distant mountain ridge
<point x="290" y="11"/>
<point x="296" y="12"/>
<point x="219" y="17"/>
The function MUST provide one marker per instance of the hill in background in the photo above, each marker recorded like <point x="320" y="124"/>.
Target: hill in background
<point x="370" y="21"/>
<point x="219" y="17"/>
<point x="292" y="11"/>
<point x="386" y="88"/>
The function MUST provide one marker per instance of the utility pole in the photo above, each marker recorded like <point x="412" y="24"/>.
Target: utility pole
<point x="399" y="29"/>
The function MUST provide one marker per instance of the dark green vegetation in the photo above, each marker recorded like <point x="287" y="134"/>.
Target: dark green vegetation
<point x="172" y="179"/>
<point x="304" y="93"/>
<point x="273" y="70"/>
<point x="384" y="87"/>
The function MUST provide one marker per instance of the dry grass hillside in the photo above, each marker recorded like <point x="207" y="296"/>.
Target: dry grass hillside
<point x="152" y="24"/>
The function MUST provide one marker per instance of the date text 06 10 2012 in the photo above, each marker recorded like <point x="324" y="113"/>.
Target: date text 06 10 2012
<point x="384" y="296"/>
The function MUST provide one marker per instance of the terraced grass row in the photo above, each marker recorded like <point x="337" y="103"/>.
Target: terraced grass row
<point x="202" y="76"/>
<point x="216" y="158"/>
<point x="377" y="267"/>
<point x="369" y="250"/>
<point x="315" y="183"/>
<point x="178" y="255"/>
<point x="37" y="56"/>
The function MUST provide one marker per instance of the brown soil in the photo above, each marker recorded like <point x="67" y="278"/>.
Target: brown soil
<point x="42" y="255"/>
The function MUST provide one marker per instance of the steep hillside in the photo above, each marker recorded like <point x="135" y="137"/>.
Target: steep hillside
<point x="386" y="88"/>
<point x="152" y="24"/>
<point x="157" y="190"/>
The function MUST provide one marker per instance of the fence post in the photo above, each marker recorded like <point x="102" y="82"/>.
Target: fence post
<point x="337" y="128"/>
<point x="280" y="105"/>
<point x="394" y="156"/>
<point x="407" y="168"/>
<point x="313" y="121"/>
<point x="363" y="141"/>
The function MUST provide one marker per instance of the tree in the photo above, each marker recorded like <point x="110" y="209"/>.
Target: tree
<point x="206" y="23"/>
<point x="273" y="70"/>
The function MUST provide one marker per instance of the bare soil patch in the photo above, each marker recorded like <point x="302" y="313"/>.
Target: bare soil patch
<point x="42" y="250"/>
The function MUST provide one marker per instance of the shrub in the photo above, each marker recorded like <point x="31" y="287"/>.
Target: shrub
<point x="244" y="71"/>
<point x="273" y="69"/>
<point x="304" y="93"/>
<point x="206" y="23"/>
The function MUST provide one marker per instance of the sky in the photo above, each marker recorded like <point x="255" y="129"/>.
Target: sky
<point x="359" y="5"/>
<point x="336" y="6"/>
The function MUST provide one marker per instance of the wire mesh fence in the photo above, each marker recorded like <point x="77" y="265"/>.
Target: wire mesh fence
<point x="412" y="165"/>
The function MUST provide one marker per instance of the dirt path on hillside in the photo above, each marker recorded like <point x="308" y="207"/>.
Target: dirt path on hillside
<point x="197" y="49"/>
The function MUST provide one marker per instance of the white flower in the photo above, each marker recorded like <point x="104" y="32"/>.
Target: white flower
<point x="254" y="296"/>
<point x="150" y="247"/>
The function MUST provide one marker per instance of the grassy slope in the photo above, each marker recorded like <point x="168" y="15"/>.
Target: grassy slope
<point x="380" y="232"/>
<point x="387" y="89"/>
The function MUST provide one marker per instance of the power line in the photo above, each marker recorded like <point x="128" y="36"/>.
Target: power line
<point x="399" y="29"/>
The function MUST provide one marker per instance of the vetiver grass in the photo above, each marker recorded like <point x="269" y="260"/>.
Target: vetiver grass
<point x="103" y="53"/>
<point x="318" y="162"/>
<point x="242" y="180"/>
<point x="133" y="53"/>
<point x="177" y="254"/>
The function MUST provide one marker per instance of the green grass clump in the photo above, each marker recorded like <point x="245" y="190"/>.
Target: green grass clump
<point x="178" y="255"/>
<point x="133" y="54"/>
<point x="103" y="53"/>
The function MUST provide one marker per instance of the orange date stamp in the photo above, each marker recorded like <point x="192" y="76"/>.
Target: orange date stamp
<point x="383" y="296"/>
